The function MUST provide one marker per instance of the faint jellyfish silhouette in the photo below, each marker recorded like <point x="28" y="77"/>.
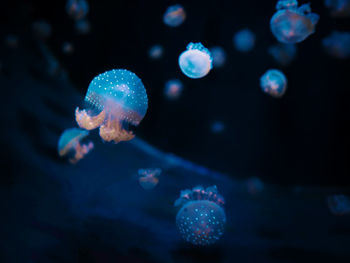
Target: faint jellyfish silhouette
<point x="338" y="204"/>
<point x="254" y="185"/>
<point x="201" y="219"/>
<point x="115" y="99"/>
<point x="196" y="61"/>
<point x="42" y="29"/>
<point x="82" y="26"/>
<point x="77" y="9"/>
<point x="217" y="127"/>
<point x="283" y="53"/>
<point x="219" y="56"/>
<point x="155" y="52"/>
<point x="337" y="44"/>
<point x="11" y="41"/>
<point x="70" y="145"/>
<point x="244" y="40"/>
<point x="274" y="83"/>
<point x="148" y="178"/>
<point x="339" y="8"/>
<point x="174" y="16"/>
<point x="67" y="48"/>
<point x="292" y="24"/>
<point x="173" y="89"/>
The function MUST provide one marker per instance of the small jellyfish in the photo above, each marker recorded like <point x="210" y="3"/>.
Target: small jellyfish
<point x="217" y="127"/>
<point x="273" y="82"/>
<point x="42" y="29"/>
<point x="201" y="219"/>
<point x="82" y="26"/>
<point x="11" y="41"/>
<point x="70" y="144"/>
<point x="254" y="185"/>
<point x="283" y="53"/>
<point x="115" y="99"/>
<point x="244" y="40"/>
<point x="148" y="178"/>
<point x="67" y="48"/>
<point x="219" y="56"/>
<point x="196" y="61"/>
<point x="174" y="16"/>
<point x="155" y="52"/>
<point x="173" y="89"/>
<point x="77" y="9"/>
<point x="339" y="8"/>
<point x="338" y="204"/>
<point x="292" y="24"/>
<point x="337" y="44"/>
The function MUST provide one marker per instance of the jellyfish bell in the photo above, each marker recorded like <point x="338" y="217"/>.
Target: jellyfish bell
<point x="173" y="89"/>
<point x="196" y="61"/>
<point x="77" y="9"/>
<point x="174" y="16"/>
<point x="114" y="100"/>
<point x="244" y="40"/>
<point x="156" y="52"/>
<point x="149" y="178"/>
<point x="274" y="83"/>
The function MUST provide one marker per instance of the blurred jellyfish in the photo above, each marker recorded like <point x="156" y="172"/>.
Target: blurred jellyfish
<point x="201" y="219"/>
<point x="255" y="185"/>
<point x="42" y="29"/>
<point x="339" y="8"/>
<point x="337" y="44"/>
<point x="196" y="61"/>
<point x="148" y="178"/>
<point x="115" y="99"/>
<point x="217" y="127"/>
<point x="338" y="204"/>
<point x="156" y="52"/>
<point x="219" y="56"/>
<point x="283" y="53"/>
<point x="69" y="144"/>
<point x="274" y="83"/>
<point x="174" y="16"/>
<point x="77" y="9"/>
<point x="244" y="40"/>
<point x="82" y="26"/>
<point x="67" y="48"/>
<point x="173" y="89"/>
<point x="11" y="41"/>
<point x="292" y="24"/>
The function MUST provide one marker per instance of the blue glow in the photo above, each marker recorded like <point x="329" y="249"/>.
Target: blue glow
<point x="244" y="40"/>
<point x="174" y="16"/>
<point x="283" y="53"/>
<point x="339" y="204"/>
<point x="77" y="9"/>
<point x="339" y="8"/>
<point x="156" y="52"/>
<point x="219" y="56"/>
<point x="274" y="82"/>
<point x="337" y="44"/>
<point x="173" y="89"/>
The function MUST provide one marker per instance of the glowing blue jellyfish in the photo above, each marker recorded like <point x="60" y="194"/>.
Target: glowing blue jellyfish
<point x="67" y="48"/>
<point x="42" y="29"/>
<point x="77" y="9"/>
<point x="201" y="219"/>
<point x="69" y="144"/>
<point x="273" y="82"/>
<point x="255" y="185"/>
<point x="339" y="8"/>
<point x="115" y="99"/>
<point x="244" y="40"/>
<point x="338" y="204"/>
<point x="82" y="26"/>
<point x="156" y="52"/>
<point x="196" y="61"/>
<point x="174" y="16"/>
<point x="337" y="44"/>
<point x="217" y="127"/>
<point x="173" y="89"/>
<point x="283" y="53"/>
<point x="292" y="24"/>
<point x="219" y="56"/>
<point x="148" y="178"/>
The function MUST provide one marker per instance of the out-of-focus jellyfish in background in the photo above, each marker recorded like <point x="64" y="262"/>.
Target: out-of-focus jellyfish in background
<point x="201" y="219"/>
<point x="339" y="8"/>
<point x="82" y="26"/>
<point x="11" y="41"/>
<point x="70" y="145"/>
<point x="148" y="178"/>
<point x="254" y="185"/>
<point x="196" y="61"/>
<point x="77" y="9"/>
<point x="244" y="40"/>
<point x="156" y="52"/>
<point x="114" y="100"/>
<point x="173" y="89"/>
<point x="67" y="48"/>
<point x="283" y="53"/>
<point x="274" y="83"/>
<point x="174" y="16"/>
<point x="292" y="24"/>
<point x="219" y="56"/>
<point x="42" y="29"/>
<point x="337" y="44"/>
<point x="217" y="127"/>
<point x="338" y="204"/>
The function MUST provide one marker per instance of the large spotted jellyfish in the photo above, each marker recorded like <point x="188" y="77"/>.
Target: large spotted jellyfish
<point x="196" y="61"/>
<point x="274" y="83"/>
<point x="293" y="24"/>
<point x="201" y="219"/>
<point x="114" y="99"/>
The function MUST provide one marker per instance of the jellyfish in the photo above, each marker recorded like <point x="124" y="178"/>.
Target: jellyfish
<point x="337" y="44"/>
<point x="196" y="61"/>
<point x="254" y="185"/>
<point x="77" y="9"/>
<point x="219" y="56"/>
<point x="201" y="219"/>
<point x="283" y="53"/>
<point x="115" y="99"/>
<point x="156" y="52"/>
<point x="217" y="127"/>
<point x="70" y="144"/>
<point x="173" y="89"/>
<point x="244" y="40"/>
<point x="82" y="26"/>
<point x="339" y="8"/>
<point x="42" y="29"/>
<point x="67" y="48"/>
<point x="148" y="178"/>
<point x="338" y="204"/>
<point x="174" y="16"/>
<point x="292" y="24"/>
<point x="273" y="82"/>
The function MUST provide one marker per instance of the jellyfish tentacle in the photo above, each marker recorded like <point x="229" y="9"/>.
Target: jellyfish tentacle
<point x="88" y="122"/>
<point x="113" y="131"/>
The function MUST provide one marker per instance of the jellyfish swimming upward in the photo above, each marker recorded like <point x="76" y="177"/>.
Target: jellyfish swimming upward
<point x="201" y="219"/>
<point x="114" y="100"/>
<point x="293" y="24"/>
<point x="274" y="83"/>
